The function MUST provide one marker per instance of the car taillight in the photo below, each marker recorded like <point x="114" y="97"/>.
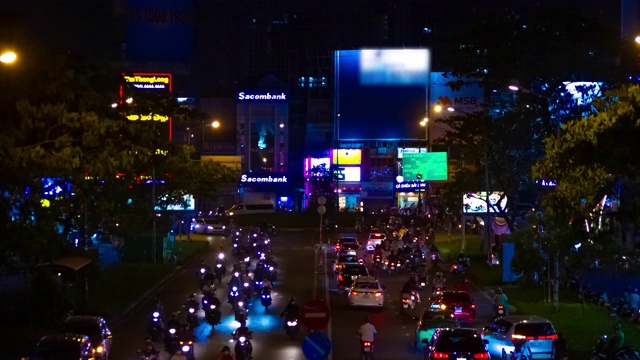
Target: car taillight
<point x="367" y="344"/>
<point x="547" y="337"/>
<point x="354" y="293"/>
<point x="378" y="293"/>
<point x="440" y="355"/>
<point x="481" y="356"/>
<point x="544" y="337"/>
<point x="473" y="306"/>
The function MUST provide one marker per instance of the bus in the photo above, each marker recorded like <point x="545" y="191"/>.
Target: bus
<point x="254" y="207"/>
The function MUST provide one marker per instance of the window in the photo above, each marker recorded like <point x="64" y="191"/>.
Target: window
<point x="534" y="329"/>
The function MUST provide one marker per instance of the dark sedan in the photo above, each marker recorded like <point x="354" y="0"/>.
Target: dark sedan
<point x="458" y="344"/>
<point x="349" y="273"/>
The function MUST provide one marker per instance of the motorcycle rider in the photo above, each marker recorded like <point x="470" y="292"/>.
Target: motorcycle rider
<point x="243" y="330"/>
<point x="500" y="298"/>
<point x="438" y="281"/>
<point x="185" y="333"/>
<point x="173" y="323"/>
<point x="192" y="302"/>
<point x="266" y="284"/>
<point x="291" y="312"/>
<point x="367" y="333"/>
<point x="464" y="286"/>
<point x="148" y="349"/>
<point x="615" y="341"/>
<point x="225" y="354"/>
<point x="393" y="258"/>
<point x="202" y="267"/>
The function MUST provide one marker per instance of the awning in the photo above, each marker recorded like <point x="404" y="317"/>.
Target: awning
<point x="74" y="263"/>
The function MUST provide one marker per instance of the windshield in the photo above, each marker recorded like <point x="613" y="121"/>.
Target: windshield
<point x="459" y="342"/>
<point x="57" y="352"/>
<point x="347" y="259"/>
<point x="91" y="330"/>
<point x="456" y="297"/>
<point x="534" y="329"/>
<point x="367" y="285"/>
<point x="355" y="270"/>
<point x="347" y="240"/>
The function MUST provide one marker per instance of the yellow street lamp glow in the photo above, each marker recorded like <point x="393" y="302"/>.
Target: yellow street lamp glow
<point x="637" y="39"/>
<point x="215" y="124"/>
<point x="8" y="57"/>
<point x="437" y="108"/>
<point x="424" y="122"/>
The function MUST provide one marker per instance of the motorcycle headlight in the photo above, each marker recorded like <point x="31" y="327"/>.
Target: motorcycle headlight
<point x="99" y="349"/>
<point x="192" y="310"/>
<point x="242" y="339"/>
<point x="246" y="284"/>
<point x="212" y="306"/>
<point x="156" y="314"/>
<point x="172" y="331"/>
<point x="219" y="266"/>
<point x="234" y="288"/>
<point x="270" y="268"/>
<point x="202" y="271"/>
<point x="292" y="323"/>
<point x="240" y="303"/>
<point x="247" y="259"/>
<point x="220" y="256"/>
<point x="185" y="348"/>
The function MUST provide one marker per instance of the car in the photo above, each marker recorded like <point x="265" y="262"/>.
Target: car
<point x="63" y="347"/>
<point x="538" y="331"/>
<point x="95" y="328"/>
<point x="458" y="344"/>
<point x="349" y="273"/>
<point x="346" y="239"/>
<point x="457" y="301"/>
<point x="207" y="226"/>
<point x="366" y="291"/>
<point x="430" y="321"/>
<point x="349" y="249"/>
<point x="344" y="260"/>
<point x="375" y="238"/>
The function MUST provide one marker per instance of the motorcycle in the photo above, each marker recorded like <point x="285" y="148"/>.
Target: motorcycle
<point x="437" y="291"/>
<point x="367" y="350"/>
<point x="219" y="272"/>
<point x="265" y="298"/>
<point x="241" y="313"/>
<point x="500" y="311"/>
<point x="171" y="343"/>
<point x="233" y="295"/>
<point x="434" y="259"/>
<point x="626" y="353"/>
<point x="243" y="348"/>
<point x="408" y="301"/>
<point x="292" y="328"/>
<point x="212" y="315"/>
<point x="155" y="328"/>
<point x="192" y="317"/>
<point x="457" y="269"/>
<point x="187" y="349"/>
<point x="494" y="259"/>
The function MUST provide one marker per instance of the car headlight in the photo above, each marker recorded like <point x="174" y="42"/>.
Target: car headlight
<point x="100" y="349"/>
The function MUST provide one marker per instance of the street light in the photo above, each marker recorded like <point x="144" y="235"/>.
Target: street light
<point x="425" y="124"/>
<point x="215" y="124"/>
<point x="8" y="57"/>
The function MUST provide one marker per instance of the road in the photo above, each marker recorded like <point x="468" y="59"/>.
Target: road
<point x="396" y="330"/>
<point x="295" y="255"/>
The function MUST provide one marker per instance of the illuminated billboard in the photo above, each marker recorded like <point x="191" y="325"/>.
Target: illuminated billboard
<point x="402" y="151"/>
<point x="188" y="203"/>
<point x="475" y="202"/>
<point x="427" y="166"/>
<point x="149" y="81"/>
<point x="313" y="163"/>
<point x="347" y="156"/>
<point x="380" y="94"/>
<point x="157" y="82"/>
<point x="347" y="173"/>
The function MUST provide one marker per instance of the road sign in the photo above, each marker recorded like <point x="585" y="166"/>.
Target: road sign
<point x="315" y="314"/>
<point x="322" y="209"/>
<point x="322" y="200"/>
<point x="316" y="346"/>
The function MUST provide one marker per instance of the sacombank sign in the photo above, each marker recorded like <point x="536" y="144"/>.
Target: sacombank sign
<point x="245" y="96"/>
<point x="263" y="179"/>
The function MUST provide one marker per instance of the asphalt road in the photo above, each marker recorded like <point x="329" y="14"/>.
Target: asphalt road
<point x="396" y="330"/>
<point x="295" y="256"/>
<point x="296" y="263"/>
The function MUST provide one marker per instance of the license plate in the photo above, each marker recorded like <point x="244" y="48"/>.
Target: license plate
<point x="458" y="310"/>
<point x="367" y="349"/>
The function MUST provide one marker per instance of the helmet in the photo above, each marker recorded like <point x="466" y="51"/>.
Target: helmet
<point x="366" y="319"/>
<point x="225" y="348"/>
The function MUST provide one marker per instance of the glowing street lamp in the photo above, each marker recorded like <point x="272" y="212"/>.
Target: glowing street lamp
<point x="215" y="124"/>
<point x="8" y="57"/>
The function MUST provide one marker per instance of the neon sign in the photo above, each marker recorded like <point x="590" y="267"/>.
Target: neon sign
<point x="411" y="185"/>
<point x="263" y="179"/>
<point x="148" y="82"/>
<point x="268" y="96"/>
<point x="547" y="183"/>
<point x="156" y="117"/>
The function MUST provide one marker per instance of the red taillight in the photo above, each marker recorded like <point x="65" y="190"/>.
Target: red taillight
<point x="340" y="278"/>
<point x="481" y="356"/>
<point x="367" y="344"/>
<point x="545" y="337"/>
<point x="440" y="355"/>
<point x="548" y="337"/>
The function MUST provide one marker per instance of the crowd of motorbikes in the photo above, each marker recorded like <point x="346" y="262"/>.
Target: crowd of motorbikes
<point x="253" y="273"/>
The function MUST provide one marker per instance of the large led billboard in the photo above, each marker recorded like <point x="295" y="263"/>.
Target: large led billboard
<point x="347" y="156"/>
<point x="188" y="203"/>
<point x="429" y="166"/>
<point x="476" y="202"/>
<point x="347" y="173"/>
<point x="381" y="94"/>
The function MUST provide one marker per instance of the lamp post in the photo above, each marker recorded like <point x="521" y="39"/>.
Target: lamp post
<point x="215" y="125"/>
<point x="425" y="124"/>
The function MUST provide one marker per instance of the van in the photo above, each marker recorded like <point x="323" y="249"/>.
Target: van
<point x="253" y="207"/>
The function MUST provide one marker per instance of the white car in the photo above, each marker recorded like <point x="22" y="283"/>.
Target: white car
<point x="538" y="332"/>
<point x="206" y="226"/>
<point x="375" y="238"/>
<point x="366" y="291"/>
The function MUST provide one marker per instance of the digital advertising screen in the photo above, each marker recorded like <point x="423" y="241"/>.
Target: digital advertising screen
<point x="475" y="202"/>
<point x="347" y="156"/>
<point x="188" y="200"/>
<point x="427" y="166"/>
<point x="381" y="94"/>
<point x="347" y="173"/>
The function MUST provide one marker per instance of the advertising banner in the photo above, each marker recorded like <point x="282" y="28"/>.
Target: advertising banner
<point x="347" y="156"/>
<point x="429" y="166"/>
<point x="475" y="202"/>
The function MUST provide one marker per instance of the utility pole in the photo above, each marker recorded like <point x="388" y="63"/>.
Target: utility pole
<point x="153" y="212"/>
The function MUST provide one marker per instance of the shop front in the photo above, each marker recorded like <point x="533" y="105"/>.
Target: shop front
<point x="409" y="194"/>
<point x="274" y="187"/>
